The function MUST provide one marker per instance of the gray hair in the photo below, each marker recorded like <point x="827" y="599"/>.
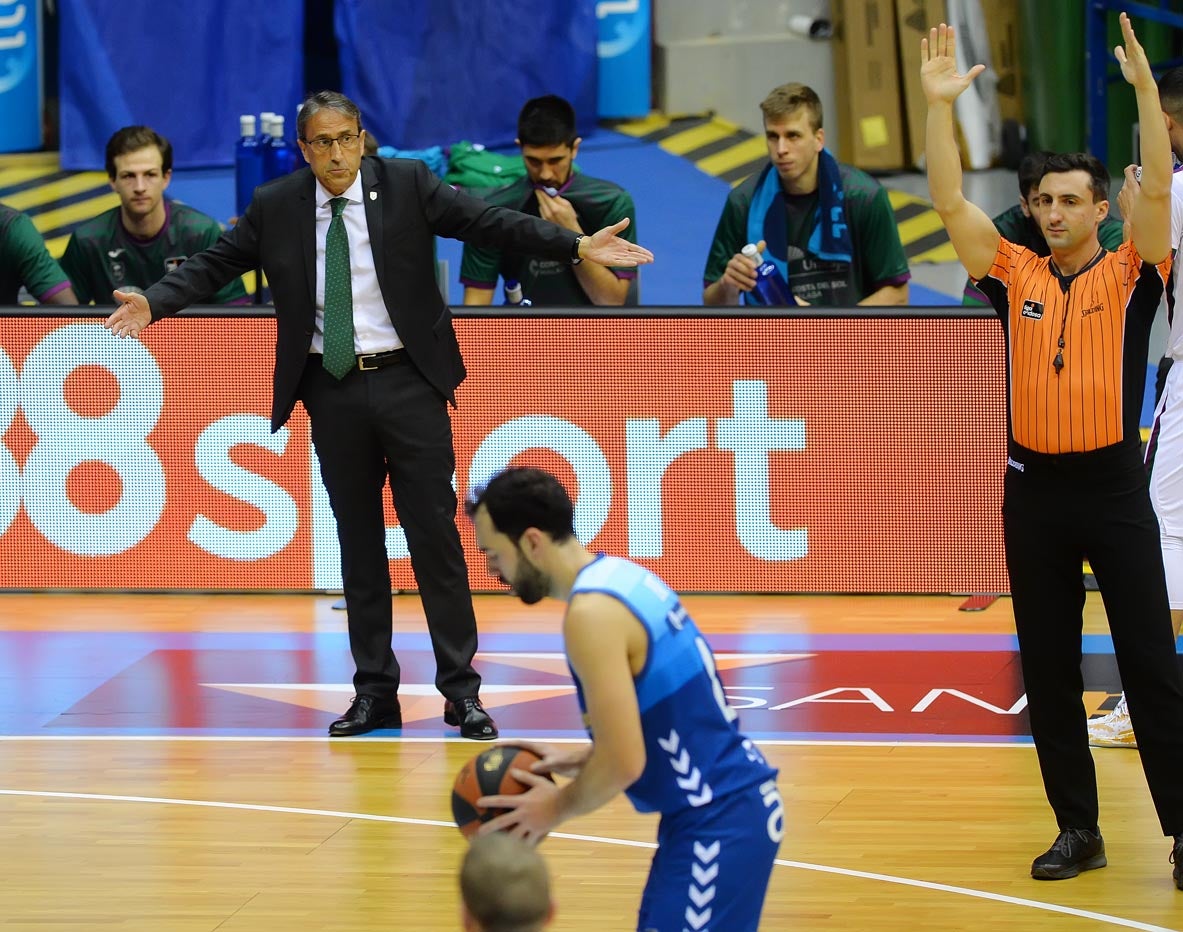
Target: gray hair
<point x="326" y="100"/>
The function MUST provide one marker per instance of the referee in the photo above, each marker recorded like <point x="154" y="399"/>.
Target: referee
<point x="1077" y="326"/>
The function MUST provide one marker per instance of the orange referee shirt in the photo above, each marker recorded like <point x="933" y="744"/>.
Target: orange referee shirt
<point x="1103" y="315"/>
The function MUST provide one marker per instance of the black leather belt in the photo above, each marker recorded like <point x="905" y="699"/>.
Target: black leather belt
<point x="371" y="361"/>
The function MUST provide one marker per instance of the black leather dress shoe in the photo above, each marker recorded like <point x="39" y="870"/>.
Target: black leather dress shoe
<point x="472" y="718"/>
<point x="365" y="714"/>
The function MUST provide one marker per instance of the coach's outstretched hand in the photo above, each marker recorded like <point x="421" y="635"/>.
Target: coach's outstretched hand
<point x="604" y="247"/>
<point x="131" y="316"/>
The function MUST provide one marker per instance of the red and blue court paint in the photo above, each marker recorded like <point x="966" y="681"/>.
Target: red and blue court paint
<point x="834" y="687"/>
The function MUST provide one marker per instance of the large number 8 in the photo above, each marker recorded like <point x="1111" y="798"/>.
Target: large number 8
<point x="65" y="439"/>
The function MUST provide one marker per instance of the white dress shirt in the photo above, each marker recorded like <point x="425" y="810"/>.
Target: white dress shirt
<point x="372" y="330"/>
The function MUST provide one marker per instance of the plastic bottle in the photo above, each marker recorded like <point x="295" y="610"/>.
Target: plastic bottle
<point x="514" y="296"/>
<point x="248" y="163"/>
<point x="265" y="119"/>
<point x="279" y="155"/>
<point x="264" y="138"/>
<point x="771" y="288"/>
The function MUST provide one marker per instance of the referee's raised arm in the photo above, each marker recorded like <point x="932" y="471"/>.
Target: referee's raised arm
<point x="1150" y="221"/>
<point x="971" y="231"/>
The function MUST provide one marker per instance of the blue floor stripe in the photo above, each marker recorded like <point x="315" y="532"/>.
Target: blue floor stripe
<point x="102" y="650"/>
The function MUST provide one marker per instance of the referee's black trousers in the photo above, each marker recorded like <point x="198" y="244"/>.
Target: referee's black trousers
<point x="1057" y="511"/>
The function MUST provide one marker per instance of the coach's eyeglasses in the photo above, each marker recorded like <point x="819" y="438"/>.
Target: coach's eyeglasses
<point x="347" y="141"/>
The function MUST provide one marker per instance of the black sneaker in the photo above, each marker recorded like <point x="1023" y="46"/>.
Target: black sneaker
<point x="1177" y="860"/>
<point x="1075" y="850"/>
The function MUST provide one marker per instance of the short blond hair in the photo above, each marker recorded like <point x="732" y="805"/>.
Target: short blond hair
<point x="505" y="884"/>
<point x="787" y="99"/>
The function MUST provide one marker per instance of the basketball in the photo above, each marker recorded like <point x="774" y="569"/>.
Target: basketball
<point x="487" y="774"/>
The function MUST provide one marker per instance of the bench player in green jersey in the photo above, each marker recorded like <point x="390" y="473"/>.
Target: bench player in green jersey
<point x="25" y="262"/>
<point x="554" y="191"/>
<point x="134" y="245"/>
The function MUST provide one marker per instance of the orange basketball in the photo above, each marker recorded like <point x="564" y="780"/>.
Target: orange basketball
<point x="487" y="774"/>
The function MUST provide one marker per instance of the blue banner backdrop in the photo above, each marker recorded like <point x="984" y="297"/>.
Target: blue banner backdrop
<point x="187" y="70"/>
<point x="625" y="59"/>
<point x="434" y="73"/>
<point x="20" y="75"/>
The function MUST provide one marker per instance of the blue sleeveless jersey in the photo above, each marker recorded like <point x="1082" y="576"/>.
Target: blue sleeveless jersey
<point x="694" y="751"/>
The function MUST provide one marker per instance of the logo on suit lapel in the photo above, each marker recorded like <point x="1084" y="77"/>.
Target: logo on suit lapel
<point x="1033" y="310"/>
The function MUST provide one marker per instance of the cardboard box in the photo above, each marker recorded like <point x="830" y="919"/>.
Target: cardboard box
<point x="866" y="84"/>
<point x="913" y="19"/>
<point x="1002" y="26"/>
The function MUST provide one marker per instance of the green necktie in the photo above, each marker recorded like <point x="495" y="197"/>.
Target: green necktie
<point x="338" y="333"/>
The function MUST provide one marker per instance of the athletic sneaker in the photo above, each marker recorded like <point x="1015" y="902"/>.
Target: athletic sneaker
<point x="1113" y="730"/>
<point x="1177" y="860"/>
<point x="1075" y="850"/>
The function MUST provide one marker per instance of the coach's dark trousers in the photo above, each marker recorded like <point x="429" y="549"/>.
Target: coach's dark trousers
<point x="390" y="422"/>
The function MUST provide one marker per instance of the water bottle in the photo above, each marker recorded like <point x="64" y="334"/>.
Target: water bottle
<point x="771" y="288"/>
<point x="264" y="136"/>
<point x="514" y="296"/>
<point x="264" y="139"/>
<point x="279" y="155"/>
<point x="248" y="164"/>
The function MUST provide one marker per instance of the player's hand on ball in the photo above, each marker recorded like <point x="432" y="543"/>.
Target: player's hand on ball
<point x="531" y="815"/>
<point x="560" y="759"/>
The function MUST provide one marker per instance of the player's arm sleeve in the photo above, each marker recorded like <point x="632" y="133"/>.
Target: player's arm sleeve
<point x="877" y="238"/>
<point x="38" y="270"/>
<point x="729" y="239"/>
<point x="973" y="297"/>
<point x="74" y="266"/>
<point x="479" y="266"/>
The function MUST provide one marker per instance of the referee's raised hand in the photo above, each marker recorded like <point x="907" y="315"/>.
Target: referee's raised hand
<point x="938" y="66"/>
<point x="1135" y="67"/>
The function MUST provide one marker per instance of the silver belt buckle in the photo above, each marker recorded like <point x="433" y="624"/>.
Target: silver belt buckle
<point x="362" y="360"/>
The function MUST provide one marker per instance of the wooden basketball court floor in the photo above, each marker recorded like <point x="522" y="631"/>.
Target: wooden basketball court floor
<point x="164" y="766"/>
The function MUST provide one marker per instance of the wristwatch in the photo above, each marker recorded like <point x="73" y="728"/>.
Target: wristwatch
<point x="576" y="258"/>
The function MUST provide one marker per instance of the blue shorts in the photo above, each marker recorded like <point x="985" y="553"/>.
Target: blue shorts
<point x="712" y="865"/>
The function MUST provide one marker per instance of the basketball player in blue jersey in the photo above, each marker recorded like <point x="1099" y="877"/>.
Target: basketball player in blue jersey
<point x="661" y="729"/>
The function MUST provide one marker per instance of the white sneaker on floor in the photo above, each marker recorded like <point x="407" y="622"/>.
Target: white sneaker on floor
<point x="1114" y="729"/>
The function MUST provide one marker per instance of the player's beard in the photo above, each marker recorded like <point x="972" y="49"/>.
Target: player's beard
<point x="530" y="583"/>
